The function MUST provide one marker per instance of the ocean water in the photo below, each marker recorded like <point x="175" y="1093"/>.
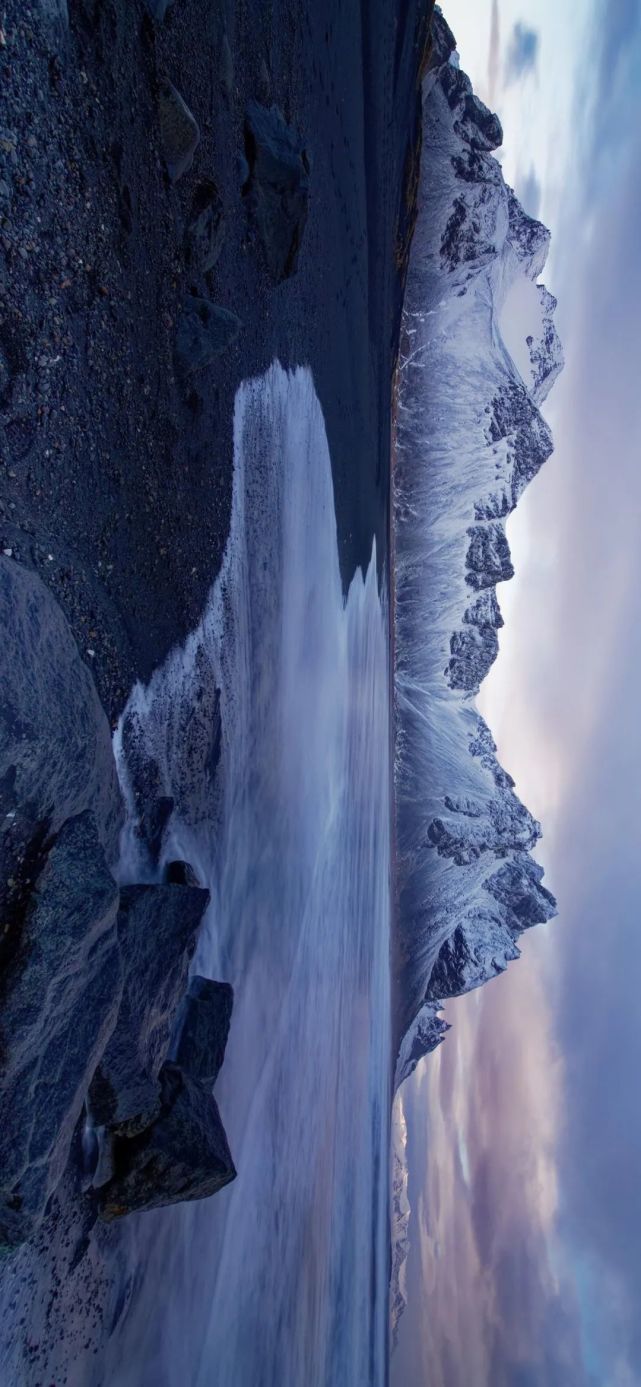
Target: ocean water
<point x="281" y="1279"/>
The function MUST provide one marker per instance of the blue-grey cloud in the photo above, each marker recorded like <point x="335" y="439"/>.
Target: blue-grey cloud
<point x="522" y="53"/>
<point x="494" y="55"/>
<point x="528" y="190"/>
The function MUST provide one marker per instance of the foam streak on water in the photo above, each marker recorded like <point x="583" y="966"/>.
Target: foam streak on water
<point x="281" y="1280"/>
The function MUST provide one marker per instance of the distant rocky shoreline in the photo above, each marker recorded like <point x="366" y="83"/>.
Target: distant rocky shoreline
<point x="470" y="438"/>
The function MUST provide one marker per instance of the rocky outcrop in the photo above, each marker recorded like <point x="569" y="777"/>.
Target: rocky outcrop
<point x="399" y="1219"/>
<point x="56" y="759"/>
<point x="59" y="1003"/>
<point x="425" y="1033"/>
<point x="478" y="950"/>
<point x="546" y="352"/>
<point x="465" y="451"/>
<point x="157" y="928"/>
<point x="92" y="979"/>
<point x="277" y="190"/>
<point x="183" y="1154"/>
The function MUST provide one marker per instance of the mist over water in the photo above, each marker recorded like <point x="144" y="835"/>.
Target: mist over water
<point x="281" y="1279"/>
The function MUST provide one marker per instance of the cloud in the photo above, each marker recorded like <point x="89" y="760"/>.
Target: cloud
<point x="522" y="53"/>
<point x="528" y="191"/>
<point x="494" y="55"/>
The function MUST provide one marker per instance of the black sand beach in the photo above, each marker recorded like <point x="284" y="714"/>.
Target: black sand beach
<point x="116" y="473"/>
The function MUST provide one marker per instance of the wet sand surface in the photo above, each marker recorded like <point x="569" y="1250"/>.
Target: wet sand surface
<point x="115" y="482"/>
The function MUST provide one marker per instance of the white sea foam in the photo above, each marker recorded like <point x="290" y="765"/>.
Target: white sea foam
<point x="281" y="1279"/>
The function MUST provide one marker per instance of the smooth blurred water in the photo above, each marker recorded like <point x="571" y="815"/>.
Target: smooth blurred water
<point x="281" y="1279"/>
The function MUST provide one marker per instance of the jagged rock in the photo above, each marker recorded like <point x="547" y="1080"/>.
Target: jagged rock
<point x="277" y="191"/>
<point x="488" y="558"/>
<point x="203" y="1029"/>
<point x="528" y="238"/>
<point x="56" y="758"/>
<point x="183" y="1155"/>
<point x="473" y="654"/>
<point x="480" y="948"/>
<point x="518" y="886"/>
<point x="205" y="229"/>
<point x="486" y="132"/>
<point x="157" y="928"/>
<point x="442" y="42"/>
<point x="546" y="352"/>
<point x="474" y="649"/>
<point x="425" y="1033"/>
<point x="179" y="133"/>
<point x="59" y="1002"/>
<point x="204" y="331"/>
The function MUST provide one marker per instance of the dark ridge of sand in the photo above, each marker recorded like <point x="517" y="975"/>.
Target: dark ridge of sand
<point x="115" y="479"/>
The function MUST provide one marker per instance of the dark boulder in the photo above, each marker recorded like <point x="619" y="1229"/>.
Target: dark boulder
<point x="157" y="928"/>
<point x="179" y="133"/>
<point x="59" y="999"/>
<point x="183" y="1155"/>
<point x="181" y="874"/>
<point x="204" y="331"/>
<point x="203" y="1029"/>
<point x="56" y="758"/>
<point x="277" y="191"/>
<point x="205" y="229"/>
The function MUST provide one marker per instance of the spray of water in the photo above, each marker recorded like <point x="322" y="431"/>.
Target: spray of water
<point x="280" y="1280"/>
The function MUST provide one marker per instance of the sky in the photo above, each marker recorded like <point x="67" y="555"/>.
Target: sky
<point x="525" y="1127"/>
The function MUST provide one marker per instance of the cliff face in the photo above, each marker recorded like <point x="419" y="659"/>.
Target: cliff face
<point x="469" y="439"/>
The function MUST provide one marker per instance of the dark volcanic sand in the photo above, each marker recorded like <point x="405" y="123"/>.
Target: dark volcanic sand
<point x="108" y="464"/>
